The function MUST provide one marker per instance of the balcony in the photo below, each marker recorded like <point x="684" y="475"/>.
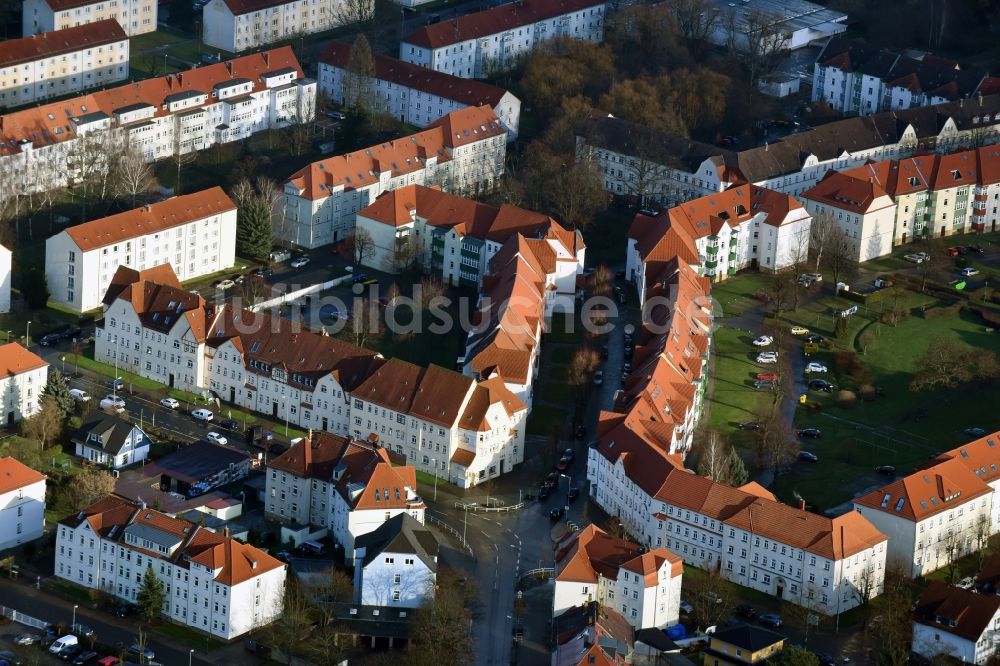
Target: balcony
<point x="713" y="249"/>
<point x="711" y="264"/>
<point x="732" y="255"/>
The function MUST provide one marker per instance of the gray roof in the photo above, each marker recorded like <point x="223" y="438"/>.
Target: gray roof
<point x="667" y="149"/>
<point x="111" y="430"/>
<point x="400" y="534"/>
<point x="159" y="537"/>
<point x="749" y="637"/>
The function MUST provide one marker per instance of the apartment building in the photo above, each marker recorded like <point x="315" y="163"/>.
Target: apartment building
<point x="933" y="516"/>
<point x="462" y="152"/>
<point x="134" y="16"/>
<point x="46" y="147"/>
<point x="643" y="585"/>
<point x="415" y="94"/>
<point x="212" y="582"/>
<point x="24" y="376"/>
<point x="241" y="25"/>
<point x="194" y="233"/>
<point x="951" y="622"/>
<point x="450" y="236"/>
<point x="664" y="170"/>
<point x="862" y="210"/>
<point x="395" y="565"/>
<point x="743" y="227"/>
<point x="855" y="77"/>
<point x="476" y="45"/>
<point x="51" y="64"/>
<point x="22" y="503"/>
<point x="347" y="486"/>
<point x="981" y="458"/>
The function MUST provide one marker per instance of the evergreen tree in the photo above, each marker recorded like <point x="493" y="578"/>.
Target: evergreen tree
<point x="34" y="288"/>
<point x="840" y="328"/>
<point x="358" y="75"/>
<point x="58" y="390"/>
<point x="735" y="469"/>
<point x="255" y="205"/>
<point x="151" y="596"/>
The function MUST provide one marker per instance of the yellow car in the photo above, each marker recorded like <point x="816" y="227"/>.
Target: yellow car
<point x="799" y="330"/>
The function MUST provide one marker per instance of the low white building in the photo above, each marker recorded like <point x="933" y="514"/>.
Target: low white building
<point x="108" y="440"/>
<point x="212" y="583"/>
<point x="37" y="67"/>
<point x="643" y="585"/>
<point x="22" y="503"/>
<point x="49" y="146"/>
<point x="23" y="375"/>
<point x="395" y="565"/>
<point x="415" y="94"/>
<point x="194" y="233"/>
<point x="134" y="16"/>
<point x="347" y="486"/>
<point x="719" y="234"/>
<point x="799" y="23"/>
<point x="476" y="45"/>
<point x="933" y="516"/>
<point x="462" y="152"/>
<point x="858" y="78"/>
<point x="241" y="25"/>
<point x="952" y="622"/>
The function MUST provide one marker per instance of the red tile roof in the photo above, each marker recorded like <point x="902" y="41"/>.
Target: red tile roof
<point x="956" y="611"/>
<point x="151" y="218"/>
<point x="14" y="474"/>
<point x="15" y="359"/>
<point x="465" y="91"/>
<point x="486" y="394"/>
<point x="433" y="393"/>
<point x="929" y="491"/>
<point x="842" y="191"/>
<point x="491" y="21"/>
<point x="58" y="42"/>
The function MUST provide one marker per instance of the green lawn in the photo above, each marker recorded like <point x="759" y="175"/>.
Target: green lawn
<point x="733" y="398"/>
<point x="86" y="361"/>
<point x="545" y="418"/>
<point x="561" y="354"/>
<point x="67" y="590"/>
<point x="733" y="297"/>
<point x="189" y="637"/>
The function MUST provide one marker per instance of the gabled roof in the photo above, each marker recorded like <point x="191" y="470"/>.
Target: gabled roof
<point x="124" y="276"/>
<point x="748" y="637"/>
<point x="15" y="359"/>
<point x="161" y="306"/>
<point x="486" y="394"/>
<point x="840" y="190"/>
<point x="50" y="44"/>
<point x="433" y="393"/>
<point x="14" y="474"/>
<point x="926" y="492"/>
<point x="495" y="20"/>
<point x="981" y="456"/>
<point x="957" y="611"/>
<point x="313" y="457"/>
<point x="465" y="91"/>
<point x="110" y="430"/>
<point x="401" y="534"/>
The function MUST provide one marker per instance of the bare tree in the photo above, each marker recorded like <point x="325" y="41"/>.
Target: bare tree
<point x="88" y="486"/>
<point x="695" y="19"/>
<point x="712" y="597"/>
<point x="133" y="174"/>
<point x="839" y="258"/>
<point x="950" y="546"/>
<point x="182" y="156"/>
<point x="405" y="253"/>
<point x="719" y="460"/>
<point x="823" y="231"/>
<point x="292" y="628"/>
<point x="354" y="12"/>
<point x="362" y="245"/>
<point x="301" y="123"/>
<point x="356" y="81"/>
<point x="866" y="585"/>
<point x="981" y="532"/>
<point x="91" y="160"/>
<point x="45" y="424"/>
<point x="757" y="43"/>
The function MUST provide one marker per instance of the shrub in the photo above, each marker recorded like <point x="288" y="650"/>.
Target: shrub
<point x="866" y="392"/>
<point x="846" y="399"/>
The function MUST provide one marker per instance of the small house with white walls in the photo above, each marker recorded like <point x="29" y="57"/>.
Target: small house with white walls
<point x="22" y="503"/>
<point x="23" y="376"/>
<point x="396" y="564"/>
<point x="108" y="440"/>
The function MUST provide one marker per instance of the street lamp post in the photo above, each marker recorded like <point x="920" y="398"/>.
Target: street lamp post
<point x="63" y="360"/>
<point x="190" y="656"/>
<point x="284" y="401"/>
<point x="434" y="460"/>
<point x="27" y="334"/>
<point x="74" y="617"/>
<point x="569" y="484"/>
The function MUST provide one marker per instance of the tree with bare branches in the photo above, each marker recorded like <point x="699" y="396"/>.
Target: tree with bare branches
<point x="948" y="364"/>
<point x="44" y="425"/>
<point x="719" y="460"/>
<point x="712" y="597"/>
<point x="256" y="208"/>
<point x="362" y="246"/>
<point x="88" y="486"/>
<point x="133" y="174"/>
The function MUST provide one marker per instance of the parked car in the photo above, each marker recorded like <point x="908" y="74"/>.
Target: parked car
<point x="808" y="456"/>
<point x="59" y="644"/>
<point x="974" y="432"/>
<point x="12" y="658"/>
<point x="749" y="425"/>
<point x="799" y="330"/>
<point x="767" y="376"/>
<point x="813" y="277"/>
<point x="747" y="611"/>
<point x="771" y="620"/>
<point x="543" y="492"/>
<point x="579" y="431"/>
<point x="599" y="377"/>
<point x="226" y="284"/>
<point x="568" y="454"/>
<point x="820" y="385"/>
<point x="144" y="653"/>
<point x="767" y="357"/>
<point x="264" y="272"/>
<point x="970" y="272"/>
<point x="83" y="630"/>
<point x="87" y="657"/>
<point x="816" y="367"/>
<point x="711" y="597"/>
<point x="217" y="438"/>
<point x="556" y="513"/>
<point x="229" y="424"/>
<point x="50" y="339"/>
<point x="79" y="395"/>
<point x="966" y="583"/>
<point x="809" y="433"/>
<point x="573" y="493"/>
<point x="686" y="607"/>
<point x="336" y="115"/>
<point x="563" y="464"/>
<point x="814" y="338"/>
<point x="360" y="277"/>
<point x="27" y="639"/>
<point x="763" y="384"/>
<point x="887" y="470"/>
<point x="328" y="314"/>
<point x="112" y="402"/>
<point x="116" y="384"/>
<point x="976" y="249"/>
<point x="763" y="341"/>
<point x="914" y="258"/>
<point x="299" y="262"/>
<point x="551" y="480"/>
<point x="951" y="251"/>
<point x="202" y="415"/>
<point x="629" y="351"/>
<point x="170" y="403"/>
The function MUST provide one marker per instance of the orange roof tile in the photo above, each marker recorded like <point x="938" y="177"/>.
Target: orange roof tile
<point x="839" y="190"/>
<point x="14" y="474"/>
<point x="929" y="491"/>
<point x="486" y="394"/>
<point x="434" y="393"/>
<point x="15" y="359"/>
<point x="49" y="44"/>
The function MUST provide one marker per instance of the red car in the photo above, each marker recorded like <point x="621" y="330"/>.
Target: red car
<point x="761" y="296"/>
<point x="767" y="376"/>
<point x="951" y="251"/>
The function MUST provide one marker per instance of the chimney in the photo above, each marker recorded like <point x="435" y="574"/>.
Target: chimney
<point x="229" y="67"/>
<point x="802" y="503"/>
<point x="267" y="59"/>
<point x="225" y="531"/>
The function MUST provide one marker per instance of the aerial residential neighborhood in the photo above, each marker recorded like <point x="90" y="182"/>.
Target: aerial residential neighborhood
<point x="492" y="332"/>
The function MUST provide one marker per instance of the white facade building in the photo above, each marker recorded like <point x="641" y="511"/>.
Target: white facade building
<point x="475" y="45"/>
<point x="462" y="153"/>
<point x="347" y="486"/>
<point x="23" y="376"/>
<point x="22" y="503"/>
<point x="46" y="147"/>
<point x="37" y="67"/>
<point x="950" y="621"/>
<point x="194" y="233"/>
<point x="241" y="25"/>
<point x="5" y="279"/>
<point x="134" y="16"/>
<point x="854" y="77"/>
<point x="415" y="94"/>
<point x="395" y="565"/>
<point x="212" y="583"/>
<point x="110" y="441"/>
<point x="643" y="585"/>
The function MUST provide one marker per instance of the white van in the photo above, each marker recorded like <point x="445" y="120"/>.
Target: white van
<point x="79" y="395"/>
<point x="202" y="415"/>
<point x="313" y="548"/>
<point x="69" y="640"/>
